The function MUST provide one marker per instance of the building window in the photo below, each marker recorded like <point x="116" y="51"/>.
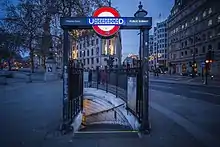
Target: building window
<point x="97" y="50"/>
<point x="203" y="37"/>
<point x="97" y="41"/>
<point x="87" y="52"/>
<point x="196" y="51"/>
<point x="92" y="60"/>
<point x="210" y="10"/>
<point x="92" y="42"/>
<point x="88" y="43"/>
<point x="109" y="42"/>
<point x="97" y="60"/>
<point x="210" y="34"/>
<point x="204" y="14"/>
<point x="185" y="43"/>
<point x="182" y="26"/>
<point x="181" y="54"/>
<point x="210" y="47"/>
<point x="84" y="44"/>
<point x="203" y="49"/>
<point x="197" y="18"/>
<point x="191" y="51"/>
<point x="84" y="53"/>
<point x="210" y="22"/>
<point x="87" y="61"/>
<point x="185" y="52"/>
<point x="192" y="20"/>
<point x="92" y="52"/>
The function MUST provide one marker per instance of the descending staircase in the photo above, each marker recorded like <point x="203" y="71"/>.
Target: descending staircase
<point x="100" y="121"/>
<point x="106" y="131"/>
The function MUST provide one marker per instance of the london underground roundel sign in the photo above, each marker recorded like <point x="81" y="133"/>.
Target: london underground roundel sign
<point x="106" y="21"/>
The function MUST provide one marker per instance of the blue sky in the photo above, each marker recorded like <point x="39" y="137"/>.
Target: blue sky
<point x="130" y="40"/>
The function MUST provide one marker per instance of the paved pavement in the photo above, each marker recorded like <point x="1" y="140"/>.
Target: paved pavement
<point x="30" y="115"/>
<point x="28" y="112"/>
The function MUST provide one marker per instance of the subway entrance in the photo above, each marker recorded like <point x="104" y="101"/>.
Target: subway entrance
<point x="112" y="97"/>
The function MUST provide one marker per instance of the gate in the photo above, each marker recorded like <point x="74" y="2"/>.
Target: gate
<point x="74" y="104"/>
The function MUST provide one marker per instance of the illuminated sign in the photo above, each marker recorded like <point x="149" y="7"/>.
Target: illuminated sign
<point x="106" y="21"/>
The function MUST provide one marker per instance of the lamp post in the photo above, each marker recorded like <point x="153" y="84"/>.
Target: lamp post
<point x="144" y="53"/>
<point x="83" y="59"/>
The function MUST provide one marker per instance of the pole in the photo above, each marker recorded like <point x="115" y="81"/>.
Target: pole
<point x="202" y="74"/>
<point x="206" y="73"/>
<point x="157" y="61"/>
<point x="193" y="64"/>
<point x="65" y="75"/>
<point x="145" y="78"/>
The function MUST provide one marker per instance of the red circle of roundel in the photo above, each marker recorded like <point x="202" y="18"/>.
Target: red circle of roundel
<point x="100" y="31"/>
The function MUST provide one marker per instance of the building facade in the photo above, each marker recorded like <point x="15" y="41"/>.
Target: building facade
<point x="94" y="52"/>
<point x="131" y="60"/>
<point x="193" y="29"/>
<point x="151" y="51"/>
<point x="160" y="45"/>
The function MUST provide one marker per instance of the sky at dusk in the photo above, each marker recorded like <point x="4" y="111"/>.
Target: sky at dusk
<point x="130" y="40"/>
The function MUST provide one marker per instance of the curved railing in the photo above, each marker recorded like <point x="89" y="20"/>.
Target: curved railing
<point x="115" y="81"/>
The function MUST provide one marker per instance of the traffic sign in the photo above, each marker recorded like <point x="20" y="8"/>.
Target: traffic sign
<point x="106" y="22"/>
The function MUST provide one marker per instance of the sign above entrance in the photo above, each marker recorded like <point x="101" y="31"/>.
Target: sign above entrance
<point x="105" y="21"/>
<point x="128" y="22"/>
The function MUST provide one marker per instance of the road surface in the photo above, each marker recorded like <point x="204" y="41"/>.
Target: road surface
<point x="207" y="94"/>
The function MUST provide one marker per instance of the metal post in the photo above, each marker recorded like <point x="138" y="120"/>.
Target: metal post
<point x="145" y="78"/>
<point x="65" y="74"/>
<point x="202" y="74"/>
<point x="116" y="80"/>
<point x="157" y="74"/>
<point x="206" y="73"/>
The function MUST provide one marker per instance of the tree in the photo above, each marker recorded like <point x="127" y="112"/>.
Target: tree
<point x="10" y="43"/>
<point x="27" y="18"/>
<point x="33" y="19"/>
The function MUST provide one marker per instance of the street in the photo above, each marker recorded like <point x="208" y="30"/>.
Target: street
<point x="207" y="94"/>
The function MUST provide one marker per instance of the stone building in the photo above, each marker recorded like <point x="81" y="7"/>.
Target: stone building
<point x="160" y="44"/>
<point x="193" y="29"/>
<point x="93" y="51"/>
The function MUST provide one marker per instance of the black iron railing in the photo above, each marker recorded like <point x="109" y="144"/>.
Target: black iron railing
<point x="74" y="103"/>
<point x="115" y="81"/>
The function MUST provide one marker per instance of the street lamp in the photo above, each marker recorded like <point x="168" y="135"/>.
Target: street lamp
<point x="144" y="79"/>
<point x="83" y="59"/>
<point x="140" y="13"/>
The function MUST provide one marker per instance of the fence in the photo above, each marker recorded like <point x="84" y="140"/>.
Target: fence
<point x="74" y="104"/>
